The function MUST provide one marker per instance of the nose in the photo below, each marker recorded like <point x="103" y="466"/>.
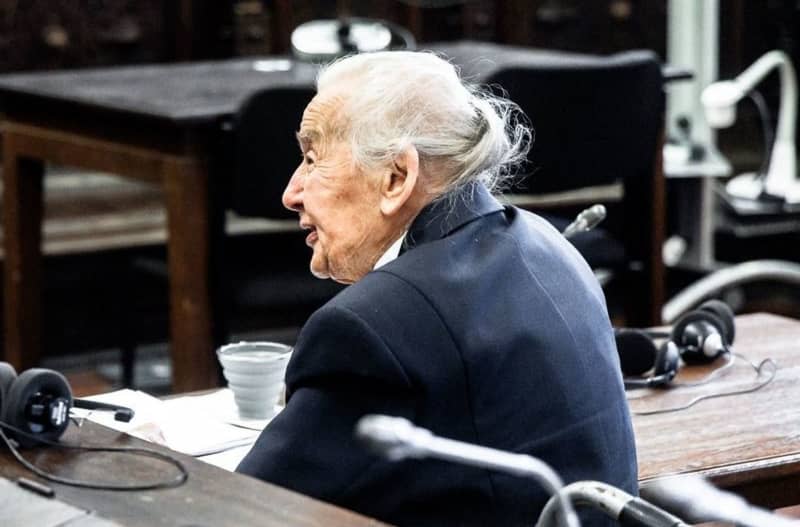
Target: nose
<point x="293" y="193"/>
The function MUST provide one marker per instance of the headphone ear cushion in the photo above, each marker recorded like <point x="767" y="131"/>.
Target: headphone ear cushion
<point x="7" y="376"/>
<point x="724" y="312"/>
<point x="692" y="317"/>
<point x="30" y="382"/>
<point x="667" y="360"/>
<point x="637" y="353"/>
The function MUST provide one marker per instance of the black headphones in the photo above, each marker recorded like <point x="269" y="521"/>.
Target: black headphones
<point x="698" y="337"/>
<point x="38" y="402"/>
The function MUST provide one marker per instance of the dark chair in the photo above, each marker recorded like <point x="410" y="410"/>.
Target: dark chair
<point x="265" y="277"/>
<point x="260" y="277"/>
<point x="262" y="150"/>
<point x="598" y="135"/>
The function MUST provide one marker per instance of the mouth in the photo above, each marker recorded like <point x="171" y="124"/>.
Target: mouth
<point x="312" y="237"/>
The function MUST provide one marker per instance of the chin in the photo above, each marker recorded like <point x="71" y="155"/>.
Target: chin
<point x="322" y="274"/>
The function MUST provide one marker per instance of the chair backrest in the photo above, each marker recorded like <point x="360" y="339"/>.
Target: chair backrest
<point x="596" y="121"/>
<point x="264" y="277"/>
<point x="599" y="121"/>
<point x="264" y="150"/>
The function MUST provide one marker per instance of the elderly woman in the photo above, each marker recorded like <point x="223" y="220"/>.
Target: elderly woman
<point x="473" y="319"/>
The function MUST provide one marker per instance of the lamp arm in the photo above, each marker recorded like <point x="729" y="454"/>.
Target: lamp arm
<point x="719" y="100"/>
<point x="749" y="78"/>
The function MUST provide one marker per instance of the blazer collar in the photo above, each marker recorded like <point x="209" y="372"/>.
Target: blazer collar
<point x="450" y="212"/>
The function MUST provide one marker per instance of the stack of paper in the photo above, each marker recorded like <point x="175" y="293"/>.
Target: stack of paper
<point x="193" y="425"/>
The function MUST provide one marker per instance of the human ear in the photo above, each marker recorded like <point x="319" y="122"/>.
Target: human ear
<point x="399" y="181"/>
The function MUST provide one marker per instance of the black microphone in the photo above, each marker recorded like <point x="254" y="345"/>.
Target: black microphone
<point x="693" y="498"/>
<point x="586" y="220"/>
<point x="121" y="413"/>
<point x="627" y="510"/>
<point x="396" y="438"/>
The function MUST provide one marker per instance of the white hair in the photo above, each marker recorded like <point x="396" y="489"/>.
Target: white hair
<point x="395" y="99"/>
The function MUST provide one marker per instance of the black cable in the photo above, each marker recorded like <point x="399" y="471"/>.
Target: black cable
<point x="730" y="358"/>
<point x="767" y="132"/>
<point x="135" y="451"/>
<point x="758" y="368"/>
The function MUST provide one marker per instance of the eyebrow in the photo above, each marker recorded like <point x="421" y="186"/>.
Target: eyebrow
<point x="307" y="139"/>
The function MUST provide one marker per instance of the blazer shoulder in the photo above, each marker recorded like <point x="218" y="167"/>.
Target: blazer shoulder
<point x="351" y="337"/>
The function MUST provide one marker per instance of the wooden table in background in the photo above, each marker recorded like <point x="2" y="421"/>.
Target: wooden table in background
<point x="210" y="497"/>
<point x="159" y="124"/>
<point x="749" y="443"/>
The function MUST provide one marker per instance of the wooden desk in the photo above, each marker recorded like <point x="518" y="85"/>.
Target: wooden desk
<point x="159" y="124"/>
<point x="210" y="497"/>
<point x="749" y="444"/>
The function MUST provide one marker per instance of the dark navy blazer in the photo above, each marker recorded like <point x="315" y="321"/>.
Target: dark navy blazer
<point x="490" y="328"/>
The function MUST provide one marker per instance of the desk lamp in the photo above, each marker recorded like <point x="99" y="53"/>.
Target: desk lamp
<point x="719" y="101"/>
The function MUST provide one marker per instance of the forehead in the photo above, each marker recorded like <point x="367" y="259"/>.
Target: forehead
<point x="322" y="119"/>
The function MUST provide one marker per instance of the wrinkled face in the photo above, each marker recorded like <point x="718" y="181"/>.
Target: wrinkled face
<point x="338" y="203"/>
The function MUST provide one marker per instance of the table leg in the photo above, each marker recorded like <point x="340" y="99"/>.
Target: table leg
<point x="22" y="225"/>
<point x="186" y="190"/>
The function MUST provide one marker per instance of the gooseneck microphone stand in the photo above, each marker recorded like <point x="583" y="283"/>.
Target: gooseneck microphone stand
<point x="397" y="439"/>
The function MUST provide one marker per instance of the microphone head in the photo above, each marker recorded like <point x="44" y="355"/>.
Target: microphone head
<point x="392" y="437"/>
<point x="598" y="211"/>
<point x="586" y="220"/>
<point x="592" y="216"/>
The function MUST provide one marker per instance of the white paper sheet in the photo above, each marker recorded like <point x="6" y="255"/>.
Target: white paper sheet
<point x="184" y="427"/>
<point x="220" y="406"/>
